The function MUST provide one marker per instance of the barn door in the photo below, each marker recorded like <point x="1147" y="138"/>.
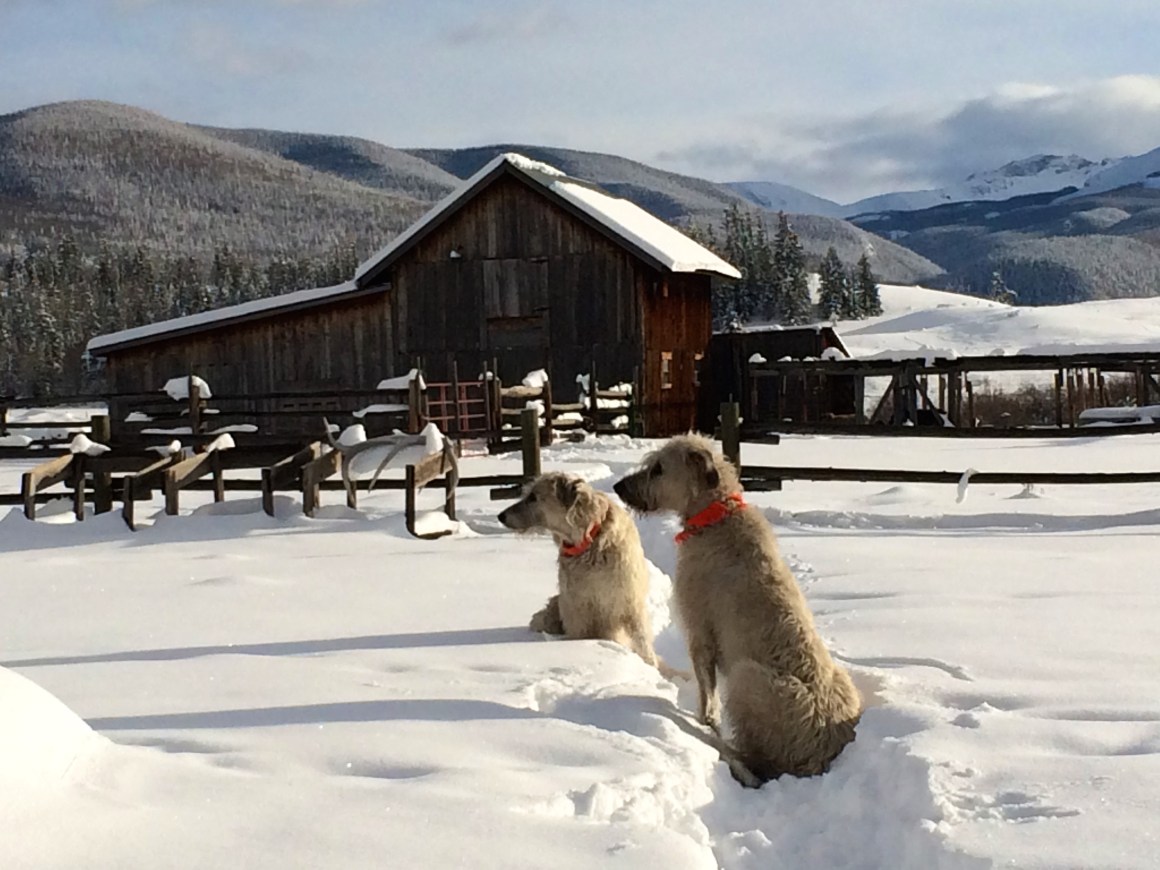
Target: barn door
<point x="515" y="303"/>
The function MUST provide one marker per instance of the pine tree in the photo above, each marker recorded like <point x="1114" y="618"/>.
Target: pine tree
<point x="834" y="294"/>
<point x="790" y="277"/>
<point x="869" y="301"/>
<point x="999" y="291"/>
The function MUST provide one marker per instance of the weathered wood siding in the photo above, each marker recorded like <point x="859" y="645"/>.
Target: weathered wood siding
<point x="532" y="286"/>
<point x="345" y="345"/>
<point x="677" y="321"/>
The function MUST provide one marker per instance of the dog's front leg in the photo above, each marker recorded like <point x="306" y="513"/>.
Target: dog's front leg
<point x="548" y="620"/>
<point x="704" y="656"/>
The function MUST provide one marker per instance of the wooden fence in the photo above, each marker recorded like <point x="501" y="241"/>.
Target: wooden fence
<point x="770" y="477"/>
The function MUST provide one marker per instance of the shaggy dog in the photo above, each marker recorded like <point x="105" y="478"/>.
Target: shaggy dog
<point x="603" y="576"/>
<point x="791" y="708"/>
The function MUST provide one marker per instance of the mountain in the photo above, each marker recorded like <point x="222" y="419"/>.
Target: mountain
<point x="119" y="175"/>
<point x="1049" y="249"/>
<point x="103" y="171"/>
<point x="1143" y="169"/>
<point x="1042" y="173"/>
<point x="359" y="160"/>
<point x="782" y="197"/>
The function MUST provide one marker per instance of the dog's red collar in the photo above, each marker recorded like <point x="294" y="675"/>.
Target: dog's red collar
<point x="710" y="516"/>
<point x="579" y="549"/>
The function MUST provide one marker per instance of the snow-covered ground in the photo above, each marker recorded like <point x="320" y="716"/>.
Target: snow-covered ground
<point x="223" y="689"/>
<point x="920" y="322"/>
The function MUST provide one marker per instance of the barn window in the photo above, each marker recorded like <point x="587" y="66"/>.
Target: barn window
<point x="697" y="358"/>
<point x="666" y="370"/>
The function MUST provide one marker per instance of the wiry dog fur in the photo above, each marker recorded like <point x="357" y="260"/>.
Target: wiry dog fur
<point x="791" y="708"/>
<point x="602" y="591"/>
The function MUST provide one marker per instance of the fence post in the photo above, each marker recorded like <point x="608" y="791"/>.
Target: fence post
<point x="414" y="403"/>
<point x="79" y="486"/>
<point x="546" y="435"/>
<point x="3" y="419"/>
<point x="530" y="439"/>
<point x="194" y="407"/>
<point x="731" y="432"/>
<point x="102" y="480"/>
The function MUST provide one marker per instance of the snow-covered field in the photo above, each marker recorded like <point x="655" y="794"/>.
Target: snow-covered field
<point x="223" y="689"/>
<point x="920" y="322"/>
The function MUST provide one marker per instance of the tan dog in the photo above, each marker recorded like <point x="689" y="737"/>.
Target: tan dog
<point x="602" y="573"/>
<point x="790" y="706"/>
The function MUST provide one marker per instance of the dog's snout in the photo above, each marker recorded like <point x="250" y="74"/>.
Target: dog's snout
<point x="503" y="517"/>
<point x="621" y="487"/>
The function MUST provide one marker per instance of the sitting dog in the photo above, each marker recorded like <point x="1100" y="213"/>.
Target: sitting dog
<point x="791" y="708"/>
<point x="602" y="575"/>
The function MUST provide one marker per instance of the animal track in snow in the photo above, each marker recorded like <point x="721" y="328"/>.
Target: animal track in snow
<point x="956" y="671"/>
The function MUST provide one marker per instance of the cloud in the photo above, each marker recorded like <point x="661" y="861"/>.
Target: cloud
<point x="491" y="26"/>
<point x="899" y="149"/>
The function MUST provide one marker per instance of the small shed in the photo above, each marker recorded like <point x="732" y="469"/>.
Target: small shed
<point x="797" y="397"/>
<point x="520" y="268"/>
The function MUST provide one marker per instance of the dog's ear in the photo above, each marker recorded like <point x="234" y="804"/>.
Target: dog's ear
<point x="701" y="462"/>
<point x="567" y="490"/>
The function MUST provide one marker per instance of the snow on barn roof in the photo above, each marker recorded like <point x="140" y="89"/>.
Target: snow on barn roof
<point x="219" y="316"/>
<point x="648" y="234"/>
<point x="650" y="237"/>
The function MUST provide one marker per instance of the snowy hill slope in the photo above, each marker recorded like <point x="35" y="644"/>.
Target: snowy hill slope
<point x="1142" y="169"/>
<point x="917" y="321"/>
<point x="783" y="197"/>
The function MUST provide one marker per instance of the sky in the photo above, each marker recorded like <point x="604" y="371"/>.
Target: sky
<point x="843" y="98"/>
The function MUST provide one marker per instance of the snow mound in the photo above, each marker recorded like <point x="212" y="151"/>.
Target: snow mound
<point x="40" y="738"/>
<point x="178" y="388"/>
<point x="536" y="379"/>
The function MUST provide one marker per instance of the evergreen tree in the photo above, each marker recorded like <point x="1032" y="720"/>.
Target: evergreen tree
<point x="999" y="291"/>
<point x="868" y="301"/>
<point x="834" y="293"/>
<point x="792" y="297"/>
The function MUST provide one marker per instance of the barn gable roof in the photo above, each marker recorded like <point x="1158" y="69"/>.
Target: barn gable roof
<point x="626" y="223"/>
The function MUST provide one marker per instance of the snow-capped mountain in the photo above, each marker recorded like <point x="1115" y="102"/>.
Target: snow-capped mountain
<point x="1041" y="173"/>
<point x="1142" y="169"/>
<point x="783" y="197"/>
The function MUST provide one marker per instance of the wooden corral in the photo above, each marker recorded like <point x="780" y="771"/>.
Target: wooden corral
<point x="797" y="395"/>
<point x="521" y="269"/>
<point x="940" y="392"/>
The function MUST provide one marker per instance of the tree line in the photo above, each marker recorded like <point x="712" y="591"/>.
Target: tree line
<point x="54" y="297"/>
<point x="775" y="284"/>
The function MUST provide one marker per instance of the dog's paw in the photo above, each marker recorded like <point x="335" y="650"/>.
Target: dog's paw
<point x="544" y="623"/>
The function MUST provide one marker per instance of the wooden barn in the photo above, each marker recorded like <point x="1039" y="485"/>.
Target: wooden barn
<point x="521" y="268"/>
<point x="798" y="397"/>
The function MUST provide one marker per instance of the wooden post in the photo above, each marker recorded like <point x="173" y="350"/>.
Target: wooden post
<point x="1141" y="387"/>
<point x="530" y="437"/>
<point x="414" y="404"/>
<point x="970" y="402"/>
<point x="102" y="480"/>
<point x="635" y="417"/>
<point x="731" y="433"/>
<point x="942" y="393"/>
<point x="546" y="434"/>
<point x="455" y="426"/>
<point x="1070" y="397"/>
<point x="78" y="484"/>
<point x="1092" y="394"/>
<point x="449" y="494"/>
<point x="1059" y="399"/>
<point x="219" y="484"/>
<point x="593" y="386"/>
<point x="860" y="399"/>
<point x="3" y="419"/>
<point x="1103" y="388"/>
<point x="194" y="406"/>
